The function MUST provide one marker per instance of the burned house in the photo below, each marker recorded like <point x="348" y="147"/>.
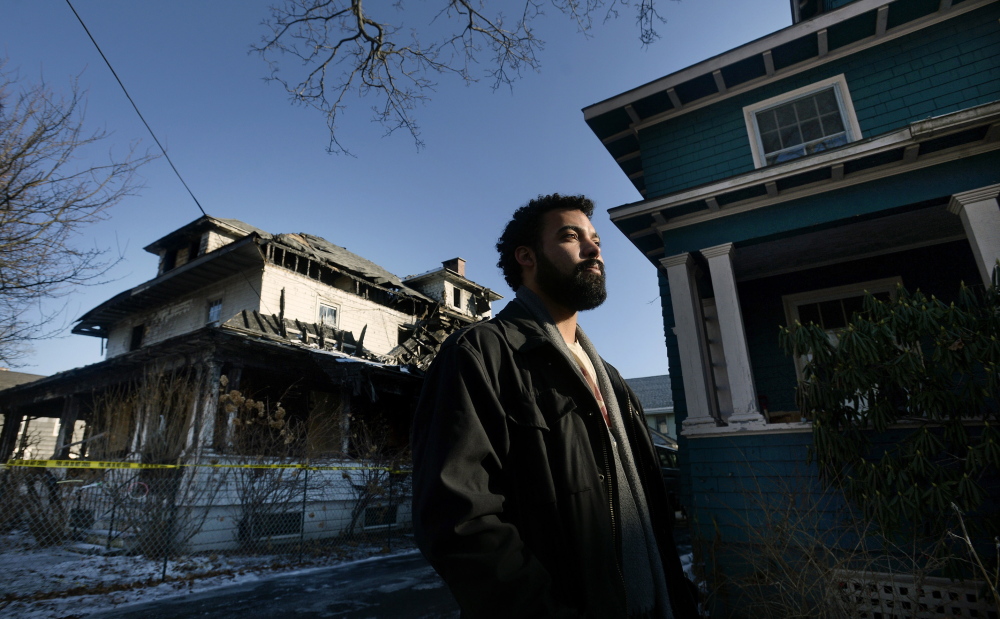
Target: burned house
<point x="320" y="340"/>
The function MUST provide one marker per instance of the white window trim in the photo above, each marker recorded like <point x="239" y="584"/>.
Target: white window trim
<point x="839" y="82"/>
<point x="793" y="301"/>
<point x="319" y="308"/>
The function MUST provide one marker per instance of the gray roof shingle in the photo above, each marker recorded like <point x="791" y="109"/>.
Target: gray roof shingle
<point x="653" y="391"/>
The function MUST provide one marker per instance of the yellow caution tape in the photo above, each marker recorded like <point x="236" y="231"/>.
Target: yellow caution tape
<point x="97" y="464"/>
<point x="87" y="464"/>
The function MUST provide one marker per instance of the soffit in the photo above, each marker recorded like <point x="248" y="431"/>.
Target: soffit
<point x="848" y="241"/>
<point x="203" y="271"/>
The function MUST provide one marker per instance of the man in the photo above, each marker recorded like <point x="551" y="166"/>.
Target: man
<point x="536" y="491"/>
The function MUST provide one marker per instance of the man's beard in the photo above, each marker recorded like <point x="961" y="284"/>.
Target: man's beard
<point x="579" y="291"/>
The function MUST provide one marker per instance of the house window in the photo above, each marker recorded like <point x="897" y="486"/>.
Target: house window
<point x="831" y="308"/>
<point x="803" y="122"/>
<point x="168" y="261"/>
<point x="214" y="311"/>
<point x="328" y="315"/>
<point x="194" y="249"/>
<point x="138" y="334"/>
<point x="456" y="297"/>
<point x="264" y="525"/>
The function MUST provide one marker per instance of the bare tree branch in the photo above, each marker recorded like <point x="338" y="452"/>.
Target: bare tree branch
<point x="46" y="197"/>
<point x="345" y="51"/>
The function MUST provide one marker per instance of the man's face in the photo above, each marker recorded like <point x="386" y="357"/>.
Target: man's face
<point x="570" y="269"/>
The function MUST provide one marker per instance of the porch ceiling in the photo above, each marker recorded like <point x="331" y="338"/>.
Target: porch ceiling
<point x="280" y="360"/>
<point x="848" y="240"/>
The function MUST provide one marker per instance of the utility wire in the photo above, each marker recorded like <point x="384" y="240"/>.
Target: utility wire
<point x="155" y="139"/>
<point x="136" y="108"/>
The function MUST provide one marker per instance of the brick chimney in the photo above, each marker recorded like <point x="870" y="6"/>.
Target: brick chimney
<point x="455" y="264"/>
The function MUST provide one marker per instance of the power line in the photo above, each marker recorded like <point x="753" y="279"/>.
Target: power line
<point x="136" y="108"/>
<point x="155" y="139"/>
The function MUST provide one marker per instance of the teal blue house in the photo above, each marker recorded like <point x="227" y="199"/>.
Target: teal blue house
<point x="853" y="150"/>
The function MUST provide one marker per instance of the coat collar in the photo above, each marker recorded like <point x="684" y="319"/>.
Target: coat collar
<point x="520" y="328"/>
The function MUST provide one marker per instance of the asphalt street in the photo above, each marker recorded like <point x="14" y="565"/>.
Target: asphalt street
<point x="400" y="586"/>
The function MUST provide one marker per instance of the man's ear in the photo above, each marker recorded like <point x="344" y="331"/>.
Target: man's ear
<point x="525" y="256"/>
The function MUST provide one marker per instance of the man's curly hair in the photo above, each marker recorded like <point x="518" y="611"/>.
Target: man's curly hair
<point x="525" y="229"/>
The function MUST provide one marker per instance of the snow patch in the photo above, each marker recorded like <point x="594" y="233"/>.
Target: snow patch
<point x="78" y="586"/>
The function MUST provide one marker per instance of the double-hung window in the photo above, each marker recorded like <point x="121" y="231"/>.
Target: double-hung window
<point x="803" y="122"/>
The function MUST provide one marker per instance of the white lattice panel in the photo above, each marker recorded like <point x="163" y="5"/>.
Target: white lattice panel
<point x="869" y="595"/>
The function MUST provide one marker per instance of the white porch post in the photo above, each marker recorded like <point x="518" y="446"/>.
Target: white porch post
<point x="980" y="213"/>
<point x="203" y="409"/>
<point x="690" y="333"/>
<point x="734" y="341"/>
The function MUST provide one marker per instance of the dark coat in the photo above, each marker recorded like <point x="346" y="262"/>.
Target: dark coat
<point x="512" y="496"/>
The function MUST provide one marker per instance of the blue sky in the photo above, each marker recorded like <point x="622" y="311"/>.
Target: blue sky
<point x="248" y="154"/>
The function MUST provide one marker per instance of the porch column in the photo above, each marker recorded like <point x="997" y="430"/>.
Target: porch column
<point x="225" y="437"/>
<point x="8" y="436"/>
<point x="70" y="413"/>
<point x="690" y="332"/>
<point x="345" y="420"/>
<point x="734" y="341"/>
<point x="980" y="215"/>
<point x="210" y="406"/>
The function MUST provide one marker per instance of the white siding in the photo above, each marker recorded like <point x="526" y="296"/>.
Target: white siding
<point x="443" y="291"/>
<point x="216" y="239"/>
<point x="303" y="296"/>
<point x="39" y="436"/>
<point x="189" y="312"/>
<point x="239" y="292"/>
<point x="435" y="289"/>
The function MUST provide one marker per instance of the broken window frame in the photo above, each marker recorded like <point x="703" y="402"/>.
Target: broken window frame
<point x="324" y="309"/>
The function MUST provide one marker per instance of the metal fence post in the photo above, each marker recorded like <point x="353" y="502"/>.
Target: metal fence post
<point x="392" y="510"/>
<point x="171" y="530"/>
<point x="111" y="525"/>
<point x="302" y="529"/>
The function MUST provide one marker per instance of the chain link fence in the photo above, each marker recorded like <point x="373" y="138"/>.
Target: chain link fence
<point x="168" y="513"/>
